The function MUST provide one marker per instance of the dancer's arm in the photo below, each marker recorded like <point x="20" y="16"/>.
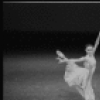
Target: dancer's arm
<point x="96" y="43"/>
<point x="78" y="59"/>
<point x="62" y="58"/>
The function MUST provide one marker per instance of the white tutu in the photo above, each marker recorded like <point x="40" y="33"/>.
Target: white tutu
<point x="74" y="75"/>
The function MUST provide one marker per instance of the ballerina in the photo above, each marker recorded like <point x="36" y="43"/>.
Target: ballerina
<point x="79" y="77"/>
<point x="90" y="64"/>
<point x="74" y="74"/>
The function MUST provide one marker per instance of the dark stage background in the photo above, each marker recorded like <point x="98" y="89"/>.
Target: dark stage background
<point x="46" y="42"/>
<point x="31" y="35"/>
<point x="45" y="27"/>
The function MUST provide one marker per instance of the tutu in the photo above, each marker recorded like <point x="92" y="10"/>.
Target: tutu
<point x="74" y="75"/>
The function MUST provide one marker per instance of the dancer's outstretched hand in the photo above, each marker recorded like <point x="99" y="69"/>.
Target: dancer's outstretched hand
<point x="60" y="60"/>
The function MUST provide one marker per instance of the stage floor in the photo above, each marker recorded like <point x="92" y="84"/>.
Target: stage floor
<point x="39" y="79"/>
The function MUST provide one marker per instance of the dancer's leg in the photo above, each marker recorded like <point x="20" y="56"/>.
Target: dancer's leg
<point x="92" y="94"/>
<point x="90" y="88"/>
<point x="89" y="93"/>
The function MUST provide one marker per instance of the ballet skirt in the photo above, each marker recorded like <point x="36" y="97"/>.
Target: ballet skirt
<point x="76" y="75"/>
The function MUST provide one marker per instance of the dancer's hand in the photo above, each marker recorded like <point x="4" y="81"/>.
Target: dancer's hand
<point x="60" y="60"/>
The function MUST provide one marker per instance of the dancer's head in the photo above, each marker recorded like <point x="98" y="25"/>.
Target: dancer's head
<point x="89" y="49"/>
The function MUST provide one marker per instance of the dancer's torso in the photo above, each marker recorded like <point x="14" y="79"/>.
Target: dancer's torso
<point x="90" y="62"/>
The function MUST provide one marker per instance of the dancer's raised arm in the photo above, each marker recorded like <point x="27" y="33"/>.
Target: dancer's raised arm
<point x="96" y="43"/>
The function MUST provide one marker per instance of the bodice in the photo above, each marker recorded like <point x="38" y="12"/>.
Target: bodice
<point x="90" y="62"/>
